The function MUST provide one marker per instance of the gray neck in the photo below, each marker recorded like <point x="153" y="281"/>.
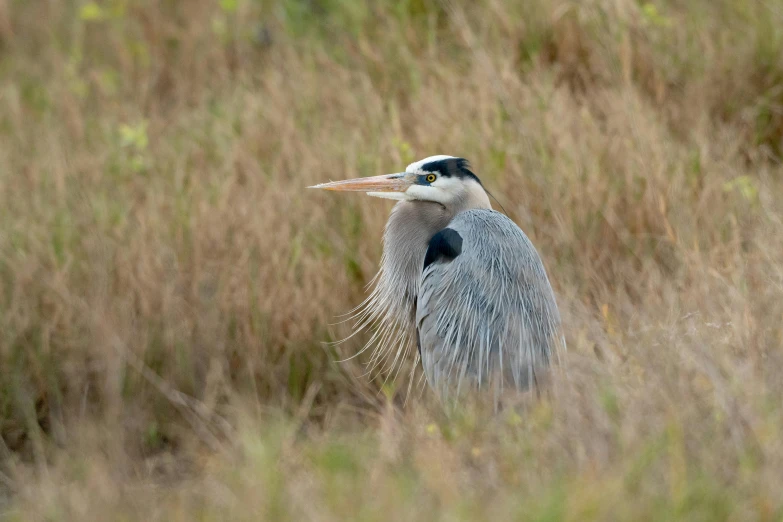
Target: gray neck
<point x="408" y="232"/>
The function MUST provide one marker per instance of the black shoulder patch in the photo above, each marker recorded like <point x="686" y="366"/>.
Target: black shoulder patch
<point x="446" y="245"/>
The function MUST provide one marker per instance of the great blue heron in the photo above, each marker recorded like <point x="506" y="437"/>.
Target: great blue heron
<point x="461" y="279"/>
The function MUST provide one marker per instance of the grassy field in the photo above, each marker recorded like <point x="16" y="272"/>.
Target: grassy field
<point x="167" y="284"/>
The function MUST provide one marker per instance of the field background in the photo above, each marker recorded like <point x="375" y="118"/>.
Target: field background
<point x="167" y="283"/>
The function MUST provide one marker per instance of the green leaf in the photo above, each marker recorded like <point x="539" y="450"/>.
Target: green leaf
<point x="654" y="16"/>
<point x="229" y="6"/>
<point x="91" y="12"/>
<point x="134" y="136"/>
<point x="745" y="185"/>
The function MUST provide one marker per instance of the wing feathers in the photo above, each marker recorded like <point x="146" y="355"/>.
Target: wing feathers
<point x="488" y="316"/>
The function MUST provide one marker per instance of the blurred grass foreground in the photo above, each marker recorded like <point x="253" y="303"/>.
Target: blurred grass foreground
<point x="167" y="284"/>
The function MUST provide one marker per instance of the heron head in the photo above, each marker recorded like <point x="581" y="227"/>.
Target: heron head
<point x="441" y="179"/>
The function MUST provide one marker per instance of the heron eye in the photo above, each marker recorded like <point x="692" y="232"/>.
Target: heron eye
<point x="431" y="178"/>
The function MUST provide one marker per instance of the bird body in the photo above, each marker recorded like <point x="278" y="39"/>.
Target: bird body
<point x="459" y="282"/>
<point x="485" y="314"/>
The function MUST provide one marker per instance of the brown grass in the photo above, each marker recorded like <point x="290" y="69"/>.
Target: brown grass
<point x="166" y="283"/>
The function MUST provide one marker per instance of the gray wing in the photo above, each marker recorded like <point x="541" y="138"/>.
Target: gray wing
<point x="486" y="315"/>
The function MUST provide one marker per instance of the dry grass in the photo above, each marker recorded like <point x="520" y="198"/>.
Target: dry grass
<point x="166" y="283"/>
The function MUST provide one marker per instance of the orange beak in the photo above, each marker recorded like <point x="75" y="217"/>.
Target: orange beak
<point x="385" y="183"/>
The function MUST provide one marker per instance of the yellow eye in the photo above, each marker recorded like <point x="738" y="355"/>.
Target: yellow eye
<point x="431" y="178"/>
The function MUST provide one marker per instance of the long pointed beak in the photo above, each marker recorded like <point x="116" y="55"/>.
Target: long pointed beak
<point x="385" y="183"/>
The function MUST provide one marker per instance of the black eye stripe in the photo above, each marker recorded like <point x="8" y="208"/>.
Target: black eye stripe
<point x="451" y="167"/>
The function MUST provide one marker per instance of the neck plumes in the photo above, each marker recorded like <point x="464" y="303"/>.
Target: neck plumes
<point x="390" y="307"/>
<point x="408" y="232"/>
